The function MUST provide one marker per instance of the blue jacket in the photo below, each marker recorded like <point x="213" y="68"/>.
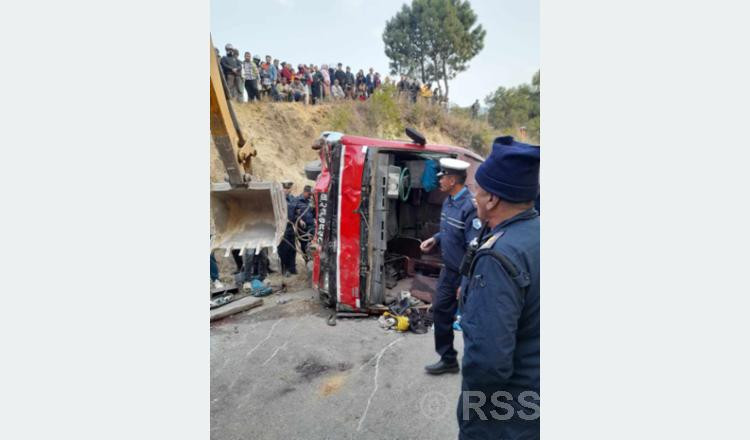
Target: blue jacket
<point x="457" y="228"/>
<point x="291" y="209"/>
<point x="304" y="211"/>
<point x="500" y="324"/>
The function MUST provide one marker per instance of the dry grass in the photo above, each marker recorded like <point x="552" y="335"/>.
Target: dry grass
<point x="282" y="133"/>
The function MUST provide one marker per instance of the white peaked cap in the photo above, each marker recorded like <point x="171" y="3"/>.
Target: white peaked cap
<point x="453" y="164"/>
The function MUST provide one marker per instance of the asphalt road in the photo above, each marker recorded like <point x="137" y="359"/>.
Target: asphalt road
<point x="279" y="372"/>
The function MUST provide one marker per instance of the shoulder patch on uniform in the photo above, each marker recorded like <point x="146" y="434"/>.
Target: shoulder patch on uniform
<point x="477" y="224"/>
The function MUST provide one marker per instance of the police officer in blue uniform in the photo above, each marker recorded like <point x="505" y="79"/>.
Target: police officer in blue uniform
<point x="500" y="300"/>
<point x="458" y="226"/>
<point x="305" y="218"/>
<point x="287" y="250"/>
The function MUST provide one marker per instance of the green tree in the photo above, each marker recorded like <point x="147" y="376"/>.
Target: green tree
<point x="399" y="43"/>
<point x="405" y="44"/>
<point x="511" y="108"/>
<point x="437" y="38"/>
<point x="453" y="37"/>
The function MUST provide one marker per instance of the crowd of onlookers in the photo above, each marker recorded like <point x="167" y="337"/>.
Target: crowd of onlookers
<point x="270" y="80"/>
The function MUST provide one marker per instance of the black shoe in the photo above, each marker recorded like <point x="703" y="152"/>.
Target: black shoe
<point x="441" y="367"/>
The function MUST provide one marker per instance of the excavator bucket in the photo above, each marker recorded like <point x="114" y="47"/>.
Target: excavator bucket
<point x="248" y="215"/>
<point x="248" y="218"/>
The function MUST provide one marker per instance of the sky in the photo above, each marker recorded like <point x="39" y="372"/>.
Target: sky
<point x="350" y="32"/>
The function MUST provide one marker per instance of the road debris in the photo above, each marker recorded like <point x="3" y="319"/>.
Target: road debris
<point x="235" y="307"/>
<point x="220" y="301"/>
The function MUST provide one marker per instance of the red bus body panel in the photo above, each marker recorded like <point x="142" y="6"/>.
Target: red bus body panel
<point x="348" y="240"/>
<point x="350" y="192"/>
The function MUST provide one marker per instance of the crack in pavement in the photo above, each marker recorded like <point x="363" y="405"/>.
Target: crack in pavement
<point x="227" y="357"/>
<point x="283" y="346"/>
<point x="270" y="332"/>
<point x="279" y="347"/>
<point x="375" y="378"/>
<point x="264" y="339"/>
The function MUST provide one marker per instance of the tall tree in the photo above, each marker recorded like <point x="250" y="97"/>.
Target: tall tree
<point x="436" y="37"/>
<point x="405" y="44"/>
<point x="511" y="108"/>
<point x="454" y="38"/>
<point x="399" y="43"/>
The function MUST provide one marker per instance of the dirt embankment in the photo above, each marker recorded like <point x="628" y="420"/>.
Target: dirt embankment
<point x="282" y="133"/>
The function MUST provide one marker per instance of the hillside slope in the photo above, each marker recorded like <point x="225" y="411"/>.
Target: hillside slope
<point x="282" y="133"/>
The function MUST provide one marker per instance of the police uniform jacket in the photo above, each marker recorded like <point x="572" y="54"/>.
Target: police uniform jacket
<point x="500" y="324"/>
<point x="304" y="212"/>
<point x="458" y="226"/>
<point x="291" y="209"/>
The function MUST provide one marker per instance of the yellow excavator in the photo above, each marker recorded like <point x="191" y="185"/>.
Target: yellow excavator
<point x="248" y="214"/>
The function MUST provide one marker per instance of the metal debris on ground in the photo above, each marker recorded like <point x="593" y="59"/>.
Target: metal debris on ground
<point x="408" y="313"/>
<point x="220" y="301"/>
<point x="420" y="320"/>
<point x="405" y="303"/>
<point x="235" y="307"/>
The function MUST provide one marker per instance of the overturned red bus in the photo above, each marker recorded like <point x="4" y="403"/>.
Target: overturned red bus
<point x="374" y="205"/>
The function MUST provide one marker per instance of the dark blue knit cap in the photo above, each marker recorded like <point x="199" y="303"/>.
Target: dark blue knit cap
<point x="512" y="170"/>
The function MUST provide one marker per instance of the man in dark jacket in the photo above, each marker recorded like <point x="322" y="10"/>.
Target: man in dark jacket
<point x="340" y="75"/>
<point x="401" y="85"/>
<point x="458" y="226"/>
<point x="413" y="90"/>
<point x="500" y="301"/>
<point x="287" y="250"/>
<point x="305" y="218"/>
<point x="370" y="78"/>
<point x="316" y="88"/>
<point x="232" y="68"/>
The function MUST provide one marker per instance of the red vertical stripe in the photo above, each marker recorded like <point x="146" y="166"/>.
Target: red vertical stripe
<point x="349" y="232"/>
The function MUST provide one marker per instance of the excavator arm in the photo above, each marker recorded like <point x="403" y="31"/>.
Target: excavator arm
<point x="248" y="214"/>
<point x="231" y="143"/>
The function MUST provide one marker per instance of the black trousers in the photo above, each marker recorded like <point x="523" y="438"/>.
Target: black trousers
<point x="288" y="254"/>
<point x="444" y="308"/>
<point x="251" y="85"/>
<point x="255" y="266"/>
<point x="237" y="259"/>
